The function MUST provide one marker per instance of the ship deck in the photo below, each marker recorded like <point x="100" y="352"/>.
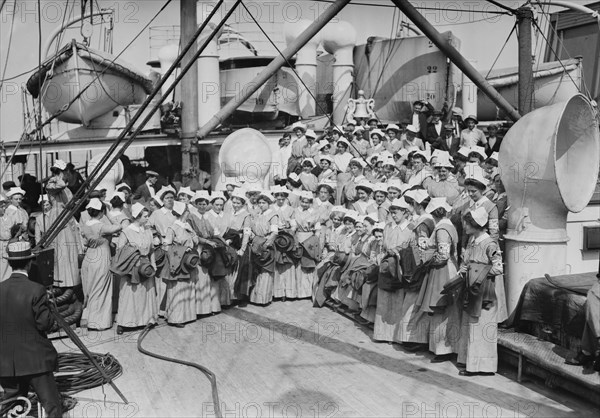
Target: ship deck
<point x="290" y="359"/>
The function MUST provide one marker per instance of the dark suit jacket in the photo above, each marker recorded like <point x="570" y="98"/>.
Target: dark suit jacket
<point x="142" y="193"/>
<point x="432" y="134"/>
<point x="24" y="320"/>
<point x="443" y="145"/>
<point x="496" y="148"/>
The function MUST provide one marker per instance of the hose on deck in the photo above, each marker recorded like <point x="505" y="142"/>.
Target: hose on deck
<point x="209" y="374"/>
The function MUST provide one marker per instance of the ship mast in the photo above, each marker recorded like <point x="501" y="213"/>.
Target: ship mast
<point x="189" y="94"/>
<point x="524" y="16"/>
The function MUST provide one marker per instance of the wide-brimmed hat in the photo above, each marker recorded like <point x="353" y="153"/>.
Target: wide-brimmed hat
<point x="392" y="127"/>
<point x="19" y="250"/>
<point x="473" y="118"/>
<point x="343" y="141"/>
<point x="151" y="173"/>
<point x="310" y="134"/>
<point x="305" y="194"/>
<point x="494" y="155"/>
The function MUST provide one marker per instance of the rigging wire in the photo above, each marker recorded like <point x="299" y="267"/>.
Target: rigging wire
<point x="106" y="163"/>
<point x="419" y="7"/>
<point x="560" y="43"/>
<point x="501" y="50"/>
<point x="502" y="6"/>
<point x="299" y="78"/>
<point x="12" y="23"/>
<point x="556" y="55"/>
<point x="68" y="105"/>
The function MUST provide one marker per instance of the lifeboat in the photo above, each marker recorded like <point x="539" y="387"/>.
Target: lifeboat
<point x="80" y="84"/>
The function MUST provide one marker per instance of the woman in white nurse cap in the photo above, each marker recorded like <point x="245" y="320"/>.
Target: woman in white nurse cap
<point x="485" y="306"/>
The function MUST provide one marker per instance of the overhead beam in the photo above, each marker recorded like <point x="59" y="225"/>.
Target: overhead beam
<point x="272" y="68"/>
<point x="456" y="58"/>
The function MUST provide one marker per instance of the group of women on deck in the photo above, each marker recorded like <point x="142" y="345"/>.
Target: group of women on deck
<point x="407" y="242"/>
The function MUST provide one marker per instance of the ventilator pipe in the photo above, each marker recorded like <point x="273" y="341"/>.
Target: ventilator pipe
<point x="469" y="94"/>
<point x="306" y="66"/>
<point x="549" y="164"/>
<point x="112" y="178"/>
<point x="339" y="39"/>
<point x="167" y="56"/>
<point x="246" y="155"/>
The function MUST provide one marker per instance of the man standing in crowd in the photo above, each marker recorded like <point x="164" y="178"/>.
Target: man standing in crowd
<point x="472" y="136"/>
<point x="28" y="357"/>
<point x="146" y="191"/>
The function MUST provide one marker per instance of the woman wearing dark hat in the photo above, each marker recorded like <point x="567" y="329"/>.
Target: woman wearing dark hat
<point x="96" y="276"/>
<point x="265" y="225"/>
<point x="138" y="305"/>
<point x="485" y="306"/>
<point x="390" y="296"/>
<point x="181" y="292"/>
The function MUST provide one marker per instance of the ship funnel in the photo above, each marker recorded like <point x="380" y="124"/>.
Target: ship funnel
<point x="167" y="56"/>
<point x="549" y="164"/>
<point x="246" y="156"/>
<point x="306" y="66"/>
<point x="339" y="39"/>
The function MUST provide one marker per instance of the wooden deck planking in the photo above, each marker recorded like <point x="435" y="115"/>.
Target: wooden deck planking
<point x="291" y="359"/>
